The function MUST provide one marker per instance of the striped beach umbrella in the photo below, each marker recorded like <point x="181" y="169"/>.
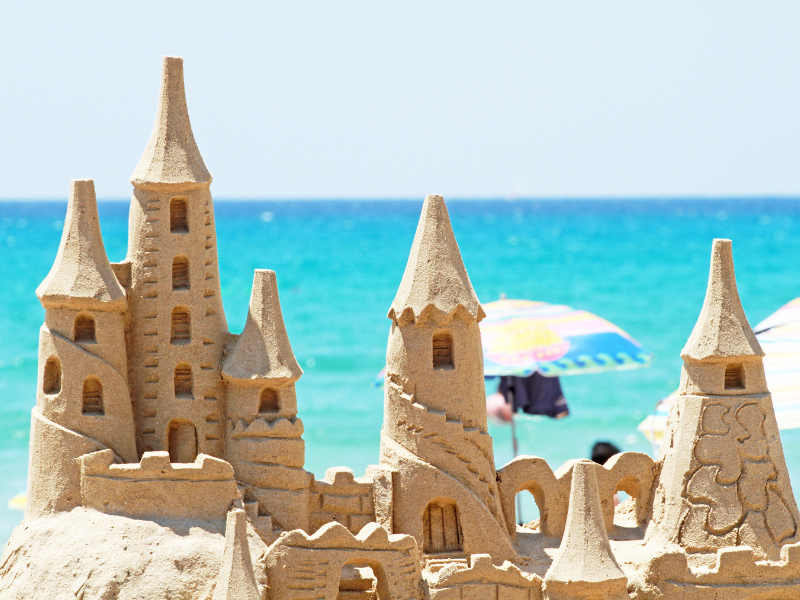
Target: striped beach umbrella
<point x="523" y="336"/>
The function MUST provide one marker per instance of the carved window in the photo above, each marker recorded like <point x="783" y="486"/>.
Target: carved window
<point x="51" y="379"/>
<point x="178" y="219"/>
<point x="183" y="382"/>
<point x="84" y="329"/>
<point x="441" y="531"/>
<point x="181" y="441"/>
<point x="443" y="350"/>
<point x="181" y="326"/>
<point x="92" y="396"/>
<point x="268" y="401"/>
<point x="734" y="377"/>
<point x="180" y="273"/>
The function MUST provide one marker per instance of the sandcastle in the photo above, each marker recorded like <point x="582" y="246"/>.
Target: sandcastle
<point x="167" y="455"/>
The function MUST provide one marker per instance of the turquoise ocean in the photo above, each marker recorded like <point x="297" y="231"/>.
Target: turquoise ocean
<point x="642" y="264"/>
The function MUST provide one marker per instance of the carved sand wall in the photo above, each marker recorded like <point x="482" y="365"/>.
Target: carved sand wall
<point x="303" y="566"/>
<point x="156" y="488"/>
<point x="482" y="579"/>
<point x="630" y="472"/>
<point x="342" y="498"/>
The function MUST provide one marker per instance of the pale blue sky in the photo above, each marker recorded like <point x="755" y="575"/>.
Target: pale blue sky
<point x="379" y="99"/>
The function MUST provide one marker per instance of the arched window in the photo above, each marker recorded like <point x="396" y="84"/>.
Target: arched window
<point x="181" y="441"/>
<point x="268" y="401"/>
<point x="181" y="326"/>
<point x="443" y="350"/>
<point x="92" y="396"/>
<point x="441" y="531"/>
<point x="84" y="329"/>
<point x="178" y="220"/>
<point x="180" y="273"/>
<point x="734" y="377"/>
<point x="51" y="379"/>
<point x="183" y="382"/>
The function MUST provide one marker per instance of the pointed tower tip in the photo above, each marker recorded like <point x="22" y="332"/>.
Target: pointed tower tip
<point x="171" y="155"/>
<point x="722" y="330"/>
<point x="263" y="351"/>
<point x="435" y="274"/>
<point x="81" y="276"/>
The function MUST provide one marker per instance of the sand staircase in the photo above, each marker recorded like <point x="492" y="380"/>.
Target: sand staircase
<point x="464" y="453"/>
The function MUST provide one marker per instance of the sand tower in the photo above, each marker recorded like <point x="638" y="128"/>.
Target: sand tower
<point x="264" y="443"/>
<point x="434" y="430"/>
<point x="723" y="478"/>
<point x="177" y="325"/>
<point x="82" y="402"/>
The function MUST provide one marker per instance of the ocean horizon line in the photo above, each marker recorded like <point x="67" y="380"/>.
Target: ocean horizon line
<point x="626" y="198"/>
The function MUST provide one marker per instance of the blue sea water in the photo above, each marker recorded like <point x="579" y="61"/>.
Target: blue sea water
<point x="642" y="264"/>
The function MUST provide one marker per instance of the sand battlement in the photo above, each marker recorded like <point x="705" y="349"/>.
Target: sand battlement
<point x="156" y="488"/>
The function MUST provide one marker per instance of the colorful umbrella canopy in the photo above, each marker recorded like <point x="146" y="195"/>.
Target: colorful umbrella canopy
<point x="523" y="336"/>
<point x="779" y="336"/>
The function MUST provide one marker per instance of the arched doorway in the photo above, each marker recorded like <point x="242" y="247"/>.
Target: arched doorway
<point x="362" y="579"/>
<point x="181" y="441"/>
<point x="441" y="530"/>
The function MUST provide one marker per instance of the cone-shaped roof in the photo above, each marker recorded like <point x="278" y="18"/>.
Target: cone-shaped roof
<point x="81" y="276"/>
<point x="236" y="579"/>
<point x="171" y="156"/>
<point x="435" y="274"/>
<point x="585" y="564"/>
<point x="722" y="331"/>
<point x="263" y="350"/>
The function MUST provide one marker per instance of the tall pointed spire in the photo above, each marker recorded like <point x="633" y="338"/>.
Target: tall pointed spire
<point x="81" y="276"/>
<point x="263" y="351"/>
<point x="435" y="274"/>
<point x="171" y="156"/>
<point x="722" y="331"/>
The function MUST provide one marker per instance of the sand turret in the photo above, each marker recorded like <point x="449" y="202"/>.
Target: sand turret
<point x="177" y="324"/>
<point x="82" y="400"/>
<point x="722" y="355"/>
<point x="81" y="276"/>
<point x="434" y="431"/>
<point x="264" y="435"/>
<point x="723" y="479"/>
<point x="263" y="352"/>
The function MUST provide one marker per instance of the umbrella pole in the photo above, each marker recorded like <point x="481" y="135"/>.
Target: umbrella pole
<point x="514" y="443"/>
<point x="515" y="450"/>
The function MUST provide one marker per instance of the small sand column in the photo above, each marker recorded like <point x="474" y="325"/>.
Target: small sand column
<point x="585" y="567"/>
